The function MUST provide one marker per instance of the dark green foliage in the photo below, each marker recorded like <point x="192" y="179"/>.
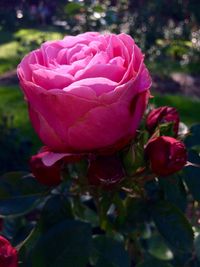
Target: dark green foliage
<point x="154" y="263"/>
<point x="173" y="226"/>
<point x="192" y="174"/>
<point x="19" y="193"/>
<point x="174" y="191"/>
<point x="65" y="244"/>
<point x="111" y="252"/>
<point x="12" y="144"/>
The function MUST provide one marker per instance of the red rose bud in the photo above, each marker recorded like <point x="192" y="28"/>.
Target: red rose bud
<point x="162" y="115"/>
<point x="8" y="254"/>
<point x="105" y="172"/>
<point x="167" y="155"/>
<point x="47" y="175"/>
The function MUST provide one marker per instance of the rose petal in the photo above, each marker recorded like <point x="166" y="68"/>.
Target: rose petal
<point x="110" y="72"/>
<point x="93" y="132"/>
<point x="45" y="131"/>
<point x="85" y="87"/>
<point x="51" y="79"/>
<point x="52" y="104"/>
<point x="50" y="158"/>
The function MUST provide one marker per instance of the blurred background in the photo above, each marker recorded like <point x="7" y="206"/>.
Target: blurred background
<point x="168" y="33"/>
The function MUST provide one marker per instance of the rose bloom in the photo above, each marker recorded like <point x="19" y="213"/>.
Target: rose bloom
<point x="8" y="254"/>
<point x="86" y="93"/>
<point x="167" y="155"/>
<point x="163" y="115"/>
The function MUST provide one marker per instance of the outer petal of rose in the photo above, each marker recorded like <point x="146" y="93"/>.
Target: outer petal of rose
<point x="127" y="41"/>
<point x="128" y="91"/>
<point x="141" y="83"/>
<point x="133" y="70"/>
<point x="51" y="158"/>
<point x="137" y="108"/>
<point x="133" y="49"/>
<point x="45" y="132"/>
<point x="136" y="57"/>
<point x="23" y="70"/>
<point x="89" y="133"/>
<point x="58" y="108"/>
<point x="89" y="35"/>
<point x="70" y="41"/>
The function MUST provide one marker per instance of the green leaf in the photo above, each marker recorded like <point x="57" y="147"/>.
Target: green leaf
<point x="72" y="9"/>
<point x="133" y="158"/>
<point x="26" y="247"/>
<point x="197" y="246"/>
<point x="192" y="175"/>
<point x="99" y="9"/>
<point x="111" y="251"/>
<point x="56" y="209"/>
<point x="154" y="263"/>
<point x="173" y="226"/>
<point x="17" y="229"/>
<point x="137" y="212"/>
<point x="119" y="209"/>
<point x="102" y="262"/>
<point x="66" y="244"/>
<point x="84" y="213"/>
<point x="167" y="129"/>
<point x="174" y="191"/>
<point x="19" y="193"/>
<point x="158" y="248"/>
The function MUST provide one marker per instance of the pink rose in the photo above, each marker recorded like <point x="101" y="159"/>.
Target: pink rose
<point x="8" y="254"/>
<point x="86" y="93"/>
<point x="167" y="155"/>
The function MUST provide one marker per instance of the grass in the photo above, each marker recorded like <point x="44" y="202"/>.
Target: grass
<point x="35" y="34"/>
<point x="8" y="56"/>
<point x="189" y="109"/>
<point x="13" y="104"/>
<point x="14" y="46"/>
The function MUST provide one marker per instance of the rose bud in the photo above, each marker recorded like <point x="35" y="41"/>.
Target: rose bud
<point x="167" y="155"/>
<point x="162" y="115"/>
<point x="8" y="254"/>
<point x="47" y="175"/>
<point x="105" y="172"/>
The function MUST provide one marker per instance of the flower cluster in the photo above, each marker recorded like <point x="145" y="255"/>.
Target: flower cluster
<point x="86" y="97"/>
